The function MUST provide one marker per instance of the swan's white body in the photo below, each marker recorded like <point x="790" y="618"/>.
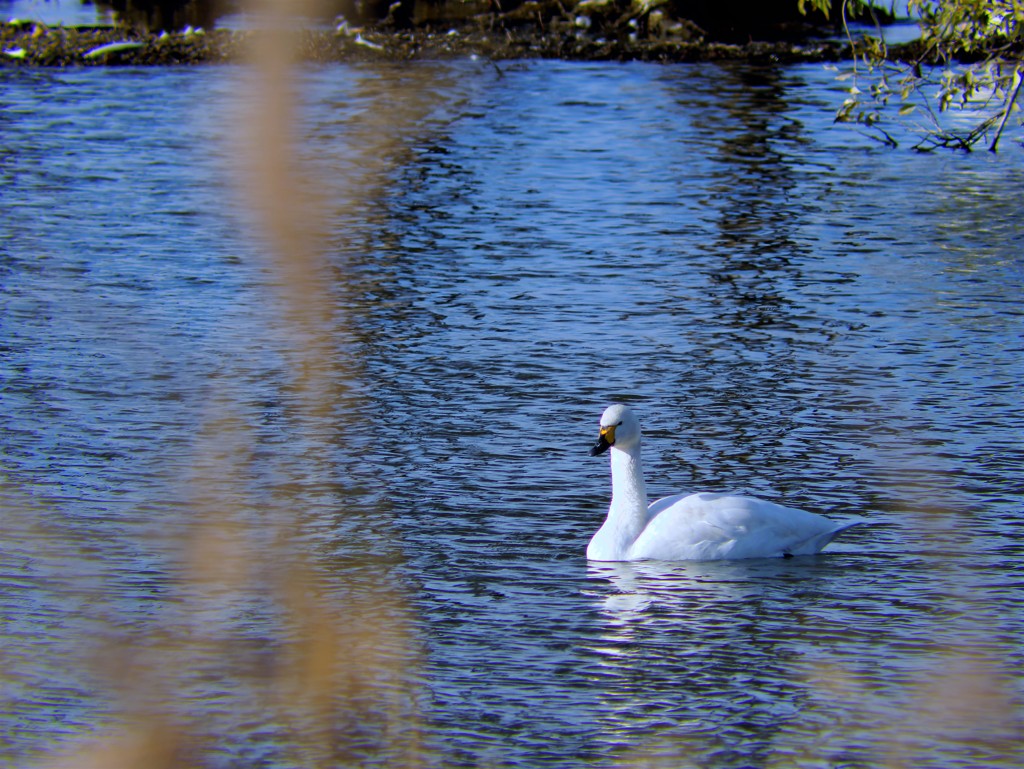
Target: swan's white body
<point x="699" y="527"/>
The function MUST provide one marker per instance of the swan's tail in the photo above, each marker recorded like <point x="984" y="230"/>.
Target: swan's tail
<point x="818" y="542"/>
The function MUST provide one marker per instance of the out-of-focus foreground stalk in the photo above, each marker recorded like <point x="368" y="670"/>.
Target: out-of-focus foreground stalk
<point x="333" y="685"/>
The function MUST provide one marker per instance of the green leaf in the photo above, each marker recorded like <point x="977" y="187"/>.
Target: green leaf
<point x="103" y="50"/>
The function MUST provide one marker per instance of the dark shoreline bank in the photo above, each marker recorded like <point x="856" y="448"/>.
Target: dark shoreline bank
<point x="30" y="44"/>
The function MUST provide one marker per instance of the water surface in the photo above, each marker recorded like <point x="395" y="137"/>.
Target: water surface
<point x="342" y="520"/>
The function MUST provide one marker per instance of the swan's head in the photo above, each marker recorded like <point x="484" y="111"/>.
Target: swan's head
<point x="619" y="428"/>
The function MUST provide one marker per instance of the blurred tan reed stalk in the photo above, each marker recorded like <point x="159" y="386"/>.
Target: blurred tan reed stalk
<point x="335" y="686"/>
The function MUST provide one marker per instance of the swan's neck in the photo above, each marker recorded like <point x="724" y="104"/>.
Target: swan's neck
<point x="629" y="493"/>
<point x="627" y="515"/>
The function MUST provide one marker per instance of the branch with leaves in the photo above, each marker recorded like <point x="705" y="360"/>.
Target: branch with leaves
<point x="955" y="87"/>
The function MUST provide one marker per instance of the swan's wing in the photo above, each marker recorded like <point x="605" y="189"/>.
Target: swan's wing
<point x="680" y="528"/>
<point x="661" y="504"/>
<point x="707" y="526"/>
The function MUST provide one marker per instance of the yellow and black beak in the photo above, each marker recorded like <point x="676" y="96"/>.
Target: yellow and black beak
<point x="606" y="439"/>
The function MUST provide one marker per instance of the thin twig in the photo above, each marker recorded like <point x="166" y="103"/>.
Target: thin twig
<point x="849" y="39"/>
<point x="1017" y="80"/>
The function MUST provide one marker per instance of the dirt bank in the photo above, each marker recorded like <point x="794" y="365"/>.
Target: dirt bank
<point x="34" y="44"/>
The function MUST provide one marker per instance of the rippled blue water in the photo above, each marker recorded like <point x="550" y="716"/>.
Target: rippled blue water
<point x="795" y="312"/>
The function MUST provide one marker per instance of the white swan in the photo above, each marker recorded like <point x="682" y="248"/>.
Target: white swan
<point x="701" y="527"/>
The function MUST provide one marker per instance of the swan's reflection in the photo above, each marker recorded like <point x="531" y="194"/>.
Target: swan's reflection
<point x="682" y="585"/>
